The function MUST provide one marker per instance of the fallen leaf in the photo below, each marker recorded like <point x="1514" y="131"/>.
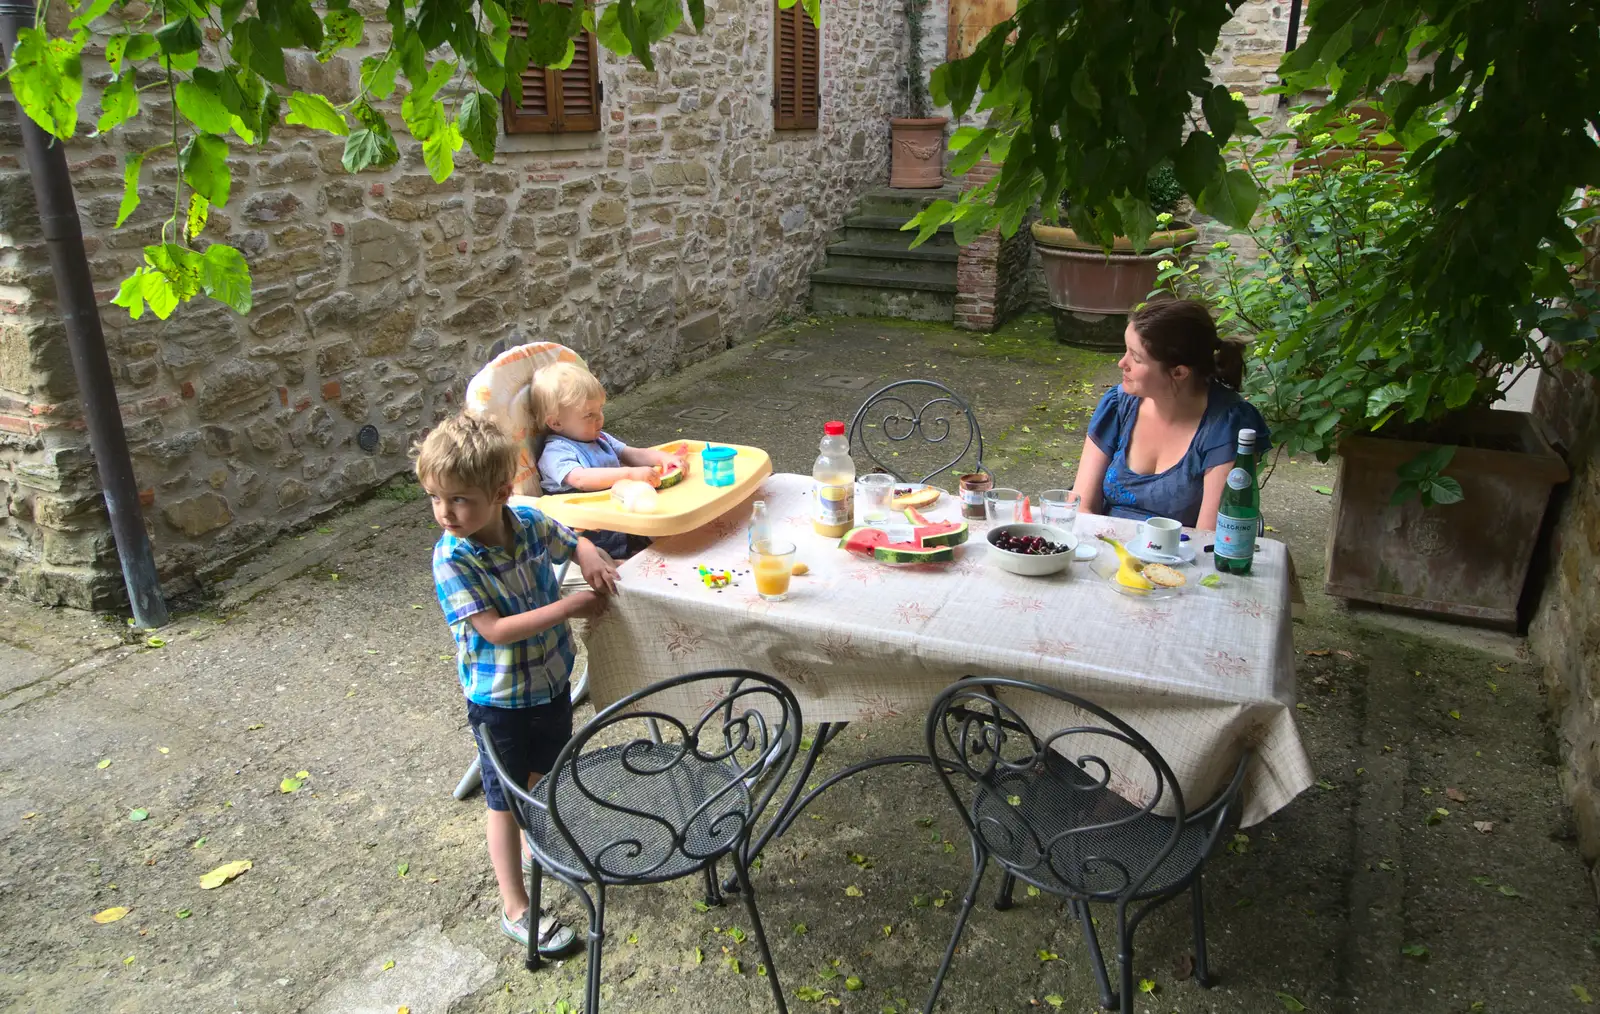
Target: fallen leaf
<point x="128" y="960"/>
<point x="302" y="775"/>
<point x="1324" y="490"/>
<point x="1290" y="1003"/>
<point x="699" y="956"/>
<point x="853" y="891"/>
<point x="253" y="728"/>
<point x="138" y="815"/>
<point x="800" y="929"/>
<point x="403" y="869"/>
<point x="761" y="970"/>
<point x="1302" y="706"/>
<point x="333" y="577"/>
<point x="733" y="966"/>
<point x="290" y="785"/>
<point x="1483" y="881"/>
<point x="1344" y="654"/>
<point x="829" y="974"/>
<point x="30" y="815"/>
<point x="633" y="938"/>
<point x="1455" y="714"/>
<point x="224" y="873"/>
<point x="402" y="1010"/>
<point x="1386" y="865"/>
<point x="700" y="906"/>
<point x="388" y="965"/>
<point x="810" y="994"/>
<point x="1418" y="951"/>
<point x="1270" y="528"/>
<point x="1055" y="1001"/>
<point x="104" y="764"/>
<point x="1320" y="652"/>
<point x="198" y="842"/>
<point x="735" y="932"/>
<point x="1455" y="795"/>
<point x="1509" y="891"/>
<point x="324" y="531"/>
<point x="183" y="913"/>
<point x="1033" y="892"/>
<point x="938" y="903"/>
<point x="1147" y="986"/>
<point x="860" y="860"/>
<point x="1325" y="785"/>
<point x="853" y="984"/>
<point x="1439" y="813"/>
<point x="1045" y="955"/>
<point x="111" y="914"/>
<point x="1014" y="800"/>
<point x="1484" y="826"/>
<point x="156" y="642"/>
<point x="1210" y="581"/>
<point x="162" y="749"/>
<point x="888" y="930"/>
<point x="1582" y="994"/>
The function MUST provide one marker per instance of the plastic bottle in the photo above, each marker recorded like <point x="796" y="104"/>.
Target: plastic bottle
<point x="760" y="525"/>
<point x="835" y="483"/>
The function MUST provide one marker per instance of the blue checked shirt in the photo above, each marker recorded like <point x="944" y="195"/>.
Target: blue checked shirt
<point x="470" y="578"/>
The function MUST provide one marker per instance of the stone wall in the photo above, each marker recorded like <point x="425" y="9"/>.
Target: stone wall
<point x="687" y="224"/>
<point x="1565" y="632"/>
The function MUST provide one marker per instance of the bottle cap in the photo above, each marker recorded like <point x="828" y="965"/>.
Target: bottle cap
<point x="834" y="428"/>
<point x="1247" y="436"/>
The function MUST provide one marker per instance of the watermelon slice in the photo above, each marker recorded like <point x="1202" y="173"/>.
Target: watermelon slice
<point x="936" y="533"/>
<point x="874" y="542"/>
<point x="673" y="474"/>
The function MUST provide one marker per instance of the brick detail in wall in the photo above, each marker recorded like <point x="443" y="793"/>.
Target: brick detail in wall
<point x="992" y="273"/>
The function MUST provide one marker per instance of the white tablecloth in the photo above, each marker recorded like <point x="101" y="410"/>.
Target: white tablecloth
<point x="1202" y="675"/>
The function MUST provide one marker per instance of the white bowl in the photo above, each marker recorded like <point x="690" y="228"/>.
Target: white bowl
<point x="1032" y="566"/>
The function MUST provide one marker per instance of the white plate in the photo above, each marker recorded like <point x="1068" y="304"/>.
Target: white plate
<point x="1105" y="565"/>
<point x="1186" y="554"/>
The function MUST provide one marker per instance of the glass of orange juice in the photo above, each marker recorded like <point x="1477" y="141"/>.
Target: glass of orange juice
<point x="774" y="563"/>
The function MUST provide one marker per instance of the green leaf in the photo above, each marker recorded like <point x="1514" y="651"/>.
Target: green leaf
<point x="1418" y="951"/>
<point x="316" y="112"/>
<point x="800" y="929"/>
<point x="1055" y="1000"/>
<point x="183" y="913"/>
<point x="1445" y="490"/>
<point x="853" y="984"/>
<point x="1324" y="490"/>
<point x="478" y="123"/>
<point x="176" y="38"/>
<point x="229" y="10"/>
<point x="1232" y="200"/>
<point x="203" y="108"/>
<point x="1581" y="994"/>
<point x="1210" y="581"/>
<point x="225" y="277"/>
<point x="204" y="161"/>
<point x="377" y="74"/>
<point x="138" y="815"/>
<point x="810" y="994"/>
<point x="264" y="52"/>
<point x="103" y="763"/>
<point x="1083" y="89"/>
<point x="341" y="30"/>
<point x="438" y="152"/>
<point x="699" y="956"/>
<point x="366" y="148"/>
<point x="130" y="294"/>
<point x="88" y="16"/>
<point x="130" y="186"/>
<point x="199" y="214"/>
<point x="290" y="785"/>
<point x="1147" y="986"/>
<point x="1045" y="955"/>
<point x="1290" y="1004"/>
<point x="1509" y="891"/>
<point x="608" y="32"/>
<point x="403" y="869"/>
<point x="47" y="80"/>
<point x="119" y="102"/>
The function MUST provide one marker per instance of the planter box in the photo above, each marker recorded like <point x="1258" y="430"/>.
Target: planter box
<point x="1083" y="278"/>
<point x="1466" y="560"/>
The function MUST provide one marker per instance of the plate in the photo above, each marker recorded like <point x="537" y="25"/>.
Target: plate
<point x="903" y="488"/>
<point x="1186" y="554"/>
<point x="1105" y="566"/>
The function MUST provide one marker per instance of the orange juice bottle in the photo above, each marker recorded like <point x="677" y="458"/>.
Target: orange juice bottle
<point x="835" y="484"/>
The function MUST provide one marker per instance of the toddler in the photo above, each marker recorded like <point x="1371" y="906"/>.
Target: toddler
<point x="494" y="573"/>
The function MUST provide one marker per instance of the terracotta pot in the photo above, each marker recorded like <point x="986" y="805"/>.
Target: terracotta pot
<point x="1467" y="559"/>
<point x="916" y="146"/>
<point x="1083" y="278"/>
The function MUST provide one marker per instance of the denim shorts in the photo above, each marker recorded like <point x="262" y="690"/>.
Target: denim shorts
<point x="527" y="739"/>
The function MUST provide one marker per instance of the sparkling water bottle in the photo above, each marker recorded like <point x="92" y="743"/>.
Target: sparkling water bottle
<point x="1239" y="514"/>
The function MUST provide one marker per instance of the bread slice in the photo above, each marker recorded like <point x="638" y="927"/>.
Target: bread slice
<point x="916" y="499"/>
<point x="1163" y="575"/>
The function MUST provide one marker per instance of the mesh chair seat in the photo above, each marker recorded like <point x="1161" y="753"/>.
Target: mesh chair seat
<point x="629" y="847"/>
<point x="1056" y="796"/>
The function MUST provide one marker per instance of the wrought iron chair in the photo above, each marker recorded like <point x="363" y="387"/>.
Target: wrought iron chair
<point x="915" y="408"/>
<point x="1052" y="812"/>
<point x="647" y="811"/>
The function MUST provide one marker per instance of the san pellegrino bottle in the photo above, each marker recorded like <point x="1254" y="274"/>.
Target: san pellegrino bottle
<point x="1239" y="514"/>
<point x="760" y="525"/>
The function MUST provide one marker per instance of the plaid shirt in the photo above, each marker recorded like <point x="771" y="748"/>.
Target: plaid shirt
<point x="470" y="578"/>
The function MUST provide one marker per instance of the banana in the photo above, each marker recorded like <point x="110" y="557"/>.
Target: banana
<point x="1128" y="567"/>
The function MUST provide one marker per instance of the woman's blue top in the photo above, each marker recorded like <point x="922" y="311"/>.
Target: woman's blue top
<point x="1177" y="492"/>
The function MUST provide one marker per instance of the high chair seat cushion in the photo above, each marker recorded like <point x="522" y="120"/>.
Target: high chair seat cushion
<point x="500" y="392"/>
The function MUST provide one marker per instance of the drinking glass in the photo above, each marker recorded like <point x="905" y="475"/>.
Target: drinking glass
<point x="773" y="565"/>
<point x="877" y="490"/>
<point x="1003" y="506"/>
<point x="1060" y="508"/>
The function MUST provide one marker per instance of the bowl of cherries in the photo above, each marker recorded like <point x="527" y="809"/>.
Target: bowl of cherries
<point x="1031" y="550"/>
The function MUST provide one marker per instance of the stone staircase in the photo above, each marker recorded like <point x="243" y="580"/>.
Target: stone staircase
<point x="871" y="270"/>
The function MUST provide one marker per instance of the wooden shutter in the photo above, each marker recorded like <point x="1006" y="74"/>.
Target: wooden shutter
<point x="557" y="101"/>
<point x="797" y="73"/>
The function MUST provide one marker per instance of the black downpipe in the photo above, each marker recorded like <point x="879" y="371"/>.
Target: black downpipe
<point x="1292" y="41"/>
<point x="75" y="299"/>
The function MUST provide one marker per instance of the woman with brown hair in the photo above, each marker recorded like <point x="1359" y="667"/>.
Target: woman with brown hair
<point x="1161" y="443"/>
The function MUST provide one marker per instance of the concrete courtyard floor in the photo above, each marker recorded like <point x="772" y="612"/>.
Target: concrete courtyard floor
<point x="370" y="889"/>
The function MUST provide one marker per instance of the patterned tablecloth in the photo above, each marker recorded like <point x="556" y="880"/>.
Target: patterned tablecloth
<point x="1202" y="675"/>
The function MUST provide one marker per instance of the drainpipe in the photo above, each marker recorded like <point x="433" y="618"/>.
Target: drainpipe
<point x="75" y="299"/>
<point x="1293" y="40"/>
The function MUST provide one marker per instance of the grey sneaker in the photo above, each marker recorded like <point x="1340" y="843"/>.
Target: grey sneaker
<point x="554" y="938"/>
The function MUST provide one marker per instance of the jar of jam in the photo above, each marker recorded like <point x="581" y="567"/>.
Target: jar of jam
<point x="973" y="486"/>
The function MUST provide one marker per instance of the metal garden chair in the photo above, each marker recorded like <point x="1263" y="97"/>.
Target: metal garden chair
<point x="647" y="810"/>
<point x="1053" y="812"/>
<point x="910" y="409"/>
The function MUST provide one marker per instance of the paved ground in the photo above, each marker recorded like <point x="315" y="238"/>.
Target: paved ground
<point x="370" y="889"/>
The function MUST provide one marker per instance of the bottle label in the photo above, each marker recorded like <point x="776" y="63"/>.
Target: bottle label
<point x="1236" y="537"/>
<point x="1239" y="478"/>
<point x="833" y="504"/>
<point x="972" y="497"/>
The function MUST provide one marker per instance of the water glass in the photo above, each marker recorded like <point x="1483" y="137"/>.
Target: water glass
<point x="875" y="493"/>
<point x="1003" y="506"/>
<point x="1060" y="508"/>
<point x="773" y="564"/>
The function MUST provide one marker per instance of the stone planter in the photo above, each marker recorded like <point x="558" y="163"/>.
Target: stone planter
<point x="1084" y="279"/>
<point x="916" y="146"/>
<point x="1467" y="560"/>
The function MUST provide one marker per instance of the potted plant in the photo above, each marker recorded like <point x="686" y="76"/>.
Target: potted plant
<point x="1084" y="278"/>
<point x="916" y="142"/>
<point x="1439" y="501"/>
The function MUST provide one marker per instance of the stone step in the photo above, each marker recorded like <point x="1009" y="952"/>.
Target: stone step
<point x="884" y="231"/>
<point x="903" y="204"/>
<point x="851" y="297"/>
<point x="931" y="262"/>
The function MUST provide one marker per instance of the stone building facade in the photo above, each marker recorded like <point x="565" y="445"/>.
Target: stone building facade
<point x="686" y="223"/>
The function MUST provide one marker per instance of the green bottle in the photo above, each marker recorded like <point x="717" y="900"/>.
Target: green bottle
<point x="1239" y="514"/>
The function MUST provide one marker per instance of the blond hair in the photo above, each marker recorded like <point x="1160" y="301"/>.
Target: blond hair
<point x="470" y="450"/>
<point x="558" y="387"/>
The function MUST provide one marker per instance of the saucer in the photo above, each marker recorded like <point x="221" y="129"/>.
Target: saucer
<point x="1186" y="554"/>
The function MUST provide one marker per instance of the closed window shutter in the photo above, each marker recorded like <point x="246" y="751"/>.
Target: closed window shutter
<point x="797" y="54"/>
<point x="557" y="101"/>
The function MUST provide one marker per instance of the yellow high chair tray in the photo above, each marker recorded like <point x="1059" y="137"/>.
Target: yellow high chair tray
<point x="681" y="508"/>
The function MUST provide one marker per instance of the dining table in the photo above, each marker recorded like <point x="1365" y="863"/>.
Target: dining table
<point x="1204" y="675"/>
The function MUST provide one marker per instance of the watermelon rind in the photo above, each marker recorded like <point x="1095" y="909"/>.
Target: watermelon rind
<point x="863" y="540"/>
<point x="937" y="533"/>
<point x="905" y="552"/>
<point x="671" y="476"/>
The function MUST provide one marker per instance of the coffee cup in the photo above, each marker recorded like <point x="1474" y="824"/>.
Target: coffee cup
<point x="1159" y="535"/>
